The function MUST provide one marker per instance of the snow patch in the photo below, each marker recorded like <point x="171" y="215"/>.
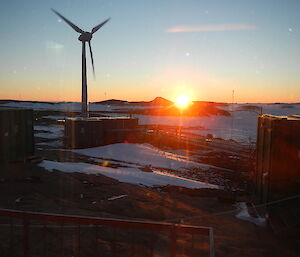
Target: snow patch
<point x="54" y="117"/>
<point x="128" y="175"/>
<point x="53" y="131"/>
<point x="144" y="154"/>
<point x="243" y="214"/>
<point x="51" y="143"/>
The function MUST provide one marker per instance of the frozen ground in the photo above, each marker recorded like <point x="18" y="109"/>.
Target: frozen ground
<point x="55" y="144"/>
<point x="128" y="175"/>
<point x="49" y="132"/>
<point x="69" y="106"/>
<point x="241" y="126"/>
<point x="127" y="162"/>
<point x="243" y="214"/>
<point x="132" y="163"/>
<point x="144" y="155"/>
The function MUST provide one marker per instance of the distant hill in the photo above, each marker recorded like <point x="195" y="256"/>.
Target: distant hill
<point x="21" y="101"/>
<point x="158" y="101"/>
<point x="113" y="102"/>
<point x="163" y="107"/>
<point x="210" y="103"/>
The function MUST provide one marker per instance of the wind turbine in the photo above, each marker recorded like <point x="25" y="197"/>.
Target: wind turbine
<point x="84" y="37"/>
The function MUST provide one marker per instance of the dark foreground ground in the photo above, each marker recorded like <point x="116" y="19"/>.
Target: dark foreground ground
<point x="25" y="186"/>
<point x="28" y="187"/>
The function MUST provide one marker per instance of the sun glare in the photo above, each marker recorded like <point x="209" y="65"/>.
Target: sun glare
<point x="182" y="101"/>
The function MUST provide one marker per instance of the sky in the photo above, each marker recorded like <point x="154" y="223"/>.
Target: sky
<point x="202" y="48"/>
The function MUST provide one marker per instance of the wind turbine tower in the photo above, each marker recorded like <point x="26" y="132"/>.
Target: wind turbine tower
<point x="84" y="37"/>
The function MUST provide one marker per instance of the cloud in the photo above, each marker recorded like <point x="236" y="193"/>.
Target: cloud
<point x="210" y="28"/>
<point x="53" y="45"/>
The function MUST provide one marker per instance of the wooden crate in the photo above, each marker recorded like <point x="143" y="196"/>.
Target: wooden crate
<point x="16" y="134"/>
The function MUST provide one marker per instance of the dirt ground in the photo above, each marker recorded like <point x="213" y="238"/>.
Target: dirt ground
<point x="80" y="194"/>
<point x="26" y="186"/>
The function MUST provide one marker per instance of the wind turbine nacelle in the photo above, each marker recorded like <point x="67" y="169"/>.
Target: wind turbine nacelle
<point x="86" y="36"/>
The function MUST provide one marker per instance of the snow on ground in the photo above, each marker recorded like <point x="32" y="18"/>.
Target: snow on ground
<point x="55" y="144"/>
<point x="52" y="131"/>
<point x="144" y="155"/>
<point x="243" y="214"/>
<point x="69" y="106"/>
<point x="128" y="175"/>
<point x="61" y="106"/>
<point x="241" y="126"/>
<point x="47" y="135"/>
<point x="188" y="153"/>
<point x="54" y="117"/>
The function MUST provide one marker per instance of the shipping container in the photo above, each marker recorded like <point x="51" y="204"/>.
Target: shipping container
<point x="95" y="131"/>
<point x="277" y="173"/>
<point x="16" y="134"/>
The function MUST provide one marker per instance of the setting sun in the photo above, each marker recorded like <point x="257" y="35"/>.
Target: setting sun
<point x="182" y="101"/>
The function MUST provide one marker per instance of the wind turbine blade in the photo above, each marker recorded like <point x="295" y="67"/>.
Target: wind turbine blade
<point x="92" y="58"/>
<point x="67" y="21"/>
<point x="99" y="26"/>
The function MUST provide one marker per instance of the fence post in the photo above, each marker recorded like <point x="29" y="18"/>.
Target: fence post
<point x="11" y="237"/>
<point x="78" y="240"/>
<point x="25" y="237"/>
<point x="211" y="243"/>
<point x="173" y="238"/>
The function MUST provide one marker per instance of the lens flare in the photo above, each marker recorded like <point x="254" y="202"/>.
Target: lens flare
<point x="182" y="101"/>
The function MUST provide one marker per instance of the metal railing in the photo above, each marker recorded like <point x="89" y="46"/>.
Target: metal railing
<point x="29" y="234"/>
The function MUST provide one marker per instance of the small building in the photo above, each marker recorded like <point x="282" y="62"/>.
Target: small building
<point x="83" y="132"/>
<point x="16" y="134"/>
<point x="277" y="173"/>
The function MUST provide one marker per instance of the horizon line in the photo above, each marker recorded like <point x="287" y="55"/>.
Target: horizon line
<point x="18" y="100"/>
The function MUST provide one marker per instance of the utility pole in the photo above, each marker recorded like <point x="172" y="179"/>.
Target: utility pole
<point x="232" y="113"/>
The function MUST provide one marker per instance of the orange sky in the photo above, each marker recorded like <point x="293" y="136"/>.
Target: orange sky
<point x="205" y="49"/>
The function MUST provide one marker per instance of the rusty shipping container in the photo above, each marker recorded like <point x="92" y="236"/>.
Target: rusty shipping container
<point x="277" y="173"/>
<point x="16" y="134"/>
